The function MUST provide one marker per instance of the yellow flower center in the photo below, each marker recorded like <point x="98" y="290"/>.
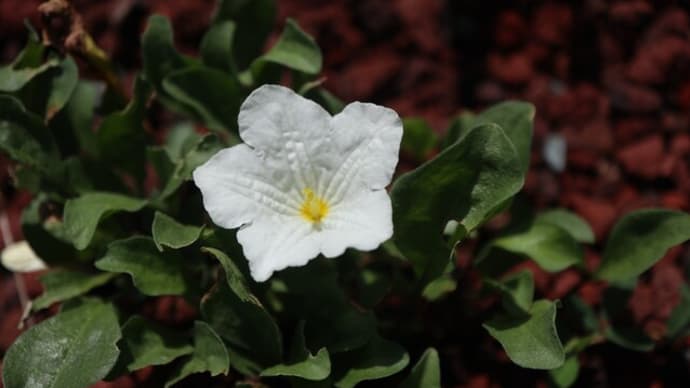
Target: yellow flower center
<point x="314" y="208"/>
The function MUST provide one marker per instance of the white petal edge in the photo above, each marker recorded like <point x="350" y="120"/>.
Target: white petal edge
<point x="19" y="257"/>
<point x="236" y="188"/>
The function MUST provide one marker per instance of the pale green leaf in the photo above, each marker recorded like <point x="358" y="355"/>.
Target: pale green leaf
<point x="170" y="233"/>
<point x="60" y="285"/>
<point x="209" y="355"/>
<point x="378" y="359"/>
<point x="426" y="373"/>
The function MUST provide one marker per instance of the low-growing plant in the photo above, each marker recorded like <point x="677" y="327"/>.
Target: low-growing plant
<point x="266" y="222"/>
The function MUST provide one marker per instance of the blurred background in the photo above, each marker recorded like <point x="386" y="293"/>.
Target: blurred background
<point x="610" y="80"/>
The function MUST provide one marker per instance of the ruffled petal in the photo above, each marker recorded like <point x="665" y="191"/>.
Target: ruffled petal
<point x="272" y="243"/>
<point x="362" y="222"/>
<point x="288" y="131"/>
<point x="367" y="139"/>
<point x="237" y="188"/>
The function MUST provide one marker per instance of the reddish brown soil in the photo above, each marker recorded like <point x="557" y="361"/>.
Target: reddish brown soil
<point x="611" y="77"/>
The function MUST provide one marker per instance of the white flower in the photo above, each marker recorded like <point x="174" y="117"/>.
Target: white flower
<point x="19" y="257"/>
<point x="305" y="182"/>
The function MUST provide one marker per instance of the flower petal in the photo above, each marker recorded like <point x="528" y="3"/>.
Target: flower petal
<point x="287" y="130"/>
<point x="362" y="222"/>
<point x="272" y="243"/>
<point x="367" y="139"/>
<point x="237" y="188"/>
<point x="19" y="257"/>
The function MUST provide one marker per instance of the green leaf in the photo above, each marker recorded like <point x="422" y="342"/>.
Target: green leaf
<point x="203" y="150"/>
<point x="296" y="50"/>
<point x="639" y="240"/>
<point x="154" y="273"/>
<point x="632" y="338"/>
<point x="61" y="87"/>
<point x="75" y="119"/>
<point x="517" y="292"/>
<point x="239" y="318"/>
<point x="61" y="285"/>
<point x="550" y="246"/>
<point x="24" y="136"/>
<point x="39" y="233"/>
<point x="159" y="56"/>
<point x="168" y="232"/>
<point x="254" y="20"/>
<point x="378" y="359"/>
<point x="301" y="363"/>
<point x="73" y="349"/>
<point x="565" y="375"/>
<point x="213" y="95"/>
<point x="146" y="343"/>
<point x="467" y="181"/>
<point x="216" y="46"/>
<point x="28" y="64"/>
<point x="458" y="128"/>
<point x="530" y="342"/>
<point x="426" y="373"/>
<point x="578" y="228"/>
<point x="419" y="139"/>
<point x="121" y="136"/>
<point x="515" y="117"/>
<point x="679" y="321"/>
<point x="83" y="214"/>
<point x="209" y="355"/>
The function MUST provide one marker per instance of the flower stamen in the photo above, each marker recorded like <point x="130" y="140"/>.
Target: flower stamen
<point x="314" y="208"/>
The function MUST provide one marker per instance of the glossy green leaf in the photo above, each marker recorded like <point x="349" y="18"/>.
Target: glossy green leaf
<point x="159" y="55"/>
<point x="216" y="47"/>
<point x="153" y="272"/>
<point x="205" y="147"/>
<point x="74" y="121"/>
<point x="578" y="228"/>
<point x="213" y="95"/>
<point x="209" y="355"/>
<point x="61" y="86"/>
<point x="548" y="245"/>
<point x="419" y="139"/>
<point x="378" y="359"/>
<point x="121" y="136"/>
<point x="516" y="118"/>
<point x="73" y="349"/>
<point x="146" y="343"/>
<point x="83" y="214"/>
<point x="566" y="375"/>
<point x="239" y="318"/>
<point x="254" y="20"/>
<point x="24" y="136"/>
<point x="61" y="285"/>
<point x="301" y="363"/>
<point x="632" y="338"/>
<point x="426" y="373"/>
<point x="296" y="50"/>
<point x="639" y="240"/>
<point x="170" y="233"/>
<point x="39" y="233"/>
<point x="530" y="342"/>
<point x="517" y="292"/>
<point x="467" y="181"/>
<point x="28" y="64"/>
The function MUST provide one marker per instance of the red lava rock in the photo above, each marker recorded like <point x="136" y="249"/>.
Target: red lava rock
<point x="676" y="200"/>
<point x="552" y="23"/>
<point x="121" y="382"/>
<point x="634" y="98"/>
<point x="170" y="310"/>
<point x="683" y="96"/>
<point x="591" y="292"/>
<point x="510" y="29"/>
<point x="629" y="129"/>
<point x="680" y="145"/>
<point x="582" y="158"/>
<point x="364" y="76"/>
<point x="599" y="213"/>
<point x="511" y="69"/>
<point x="563" y="283"/>
<point x="629" y="11"/>
<point x="642" y="304"/>
<point x="479" y="381"/>
<point x="642" y="157"/>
